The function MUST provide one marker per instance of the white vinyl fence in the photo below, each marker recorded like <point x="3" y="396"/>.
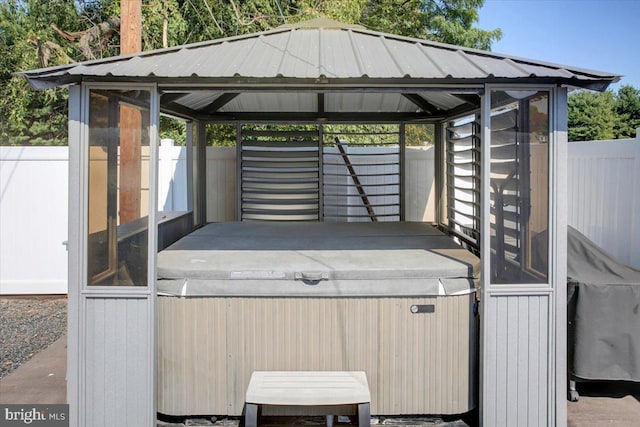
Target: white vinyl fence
<point x="604" y="184"/>
<point x="33" y="220"/>
<point x="604" y="191"/>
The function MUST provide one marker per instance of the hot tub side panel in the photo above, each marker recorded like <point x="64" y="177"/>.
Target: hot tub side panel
<point x="422" y="363"/>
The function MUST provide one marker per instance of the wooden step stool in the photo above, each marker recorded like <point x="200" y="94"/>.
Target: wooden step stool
<point x="308" y="388"/>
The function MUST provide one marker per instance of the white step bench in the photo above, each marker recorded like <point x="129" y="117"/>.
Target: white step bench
<point x="308" y="388"/>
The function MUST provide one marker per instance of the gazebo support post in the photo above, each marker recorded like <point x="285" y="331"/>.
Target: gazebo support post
<point x="523" y="295"/>
<point x="111" y="301"/>
<point x="561" y="209"/>
<point x="199" y="180"/>
<point x="76" y="249"/>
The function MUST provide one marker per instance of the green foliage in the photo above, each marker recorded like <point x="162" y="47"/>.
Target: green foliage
<point x="29" y="117"/>
<point x="628" y="109"/>
<point x="591" y="116"/>
<point x="28" y="41"/>
<point x="221" y="135"/>
<point x="446" y="21"/>
<point x="173" y="129"/>
<point x="606" y="115"/>
<point x="419" y="134"/>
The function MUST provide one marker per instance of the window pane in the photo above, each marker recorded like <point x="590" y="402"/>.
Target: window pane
<point x="118" y="188"/>
<point x="519" y="187"/>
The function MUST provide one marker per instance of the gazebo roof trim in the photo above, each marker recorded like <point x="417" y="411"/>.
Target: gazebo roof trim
<point x="320" y="49"/>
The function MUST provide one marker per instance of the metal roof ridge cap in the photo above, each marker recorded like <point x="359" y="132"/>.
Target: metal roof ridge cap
<point x="249" y="51"/>
<point x="560" y="68"/>
<point x="320" y="53"/>
<point x="466" y="58"/>
<point x="435" y="64"/>
<point x="567" y="73"/>
<point x="517" y="66"/>
<point x="356" y="54"/>
<point x="393" y="58"/>
<point x="284" y="53"/>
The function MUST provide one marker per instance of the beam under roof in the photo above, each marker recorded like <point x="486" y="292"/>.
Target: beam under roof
<point x="218" y="103"/>
<point x="333" y="117"/>
<point x="422" y="103"/>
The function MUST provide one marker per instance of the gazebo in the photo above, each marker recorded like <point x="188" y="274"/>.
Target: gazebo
<point x="501" y="142"/>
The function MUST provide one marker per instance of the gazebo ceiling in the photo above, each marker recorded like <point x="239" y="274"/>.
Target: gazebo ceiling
<point x="332" y="67"/>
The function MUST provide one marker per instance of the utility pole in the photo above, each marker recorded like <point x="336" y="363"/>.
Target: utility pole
<point x="130" y="120"/>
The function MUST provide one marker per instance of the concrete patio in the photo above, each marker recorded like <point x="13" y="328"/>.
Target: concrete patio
<point x="42" y="380"/>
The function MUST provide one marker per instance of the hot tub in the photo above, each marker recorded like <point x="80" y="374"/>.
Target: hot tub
<point x="395" y="300"/>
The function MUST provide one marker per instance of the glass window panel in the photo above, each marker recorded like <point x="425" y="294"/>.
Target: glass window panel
<point x="519" y="187"/>
<point x="118" y="187"/>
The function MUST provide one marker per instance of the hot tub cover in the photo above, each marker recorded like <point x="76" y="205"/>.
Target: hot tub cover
<point x="316" y="259"/>
<point x="603" y="313"/>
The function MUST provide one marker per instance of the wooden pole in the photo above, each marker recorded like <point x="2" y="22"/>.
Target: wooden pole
<point x="130" y="119"/>
<point x="130" y="26"/>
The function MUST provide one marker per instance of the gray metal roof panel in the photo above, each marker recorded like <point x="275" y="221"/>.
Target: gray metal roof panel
<point x="304" y="53"/>
<point x="453" y="64"/>
<point x="274" y="102"/>
<point x="442" y="100"/>
<point x="368" y="102"/>
<point x="376" y="61"/>
<point x="199" y="99"/>
<point x="339" y="60"/>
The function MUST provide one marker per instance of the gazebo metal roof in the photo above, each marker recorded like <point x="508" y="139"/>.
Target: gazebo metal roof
<point x="319" y="55"/>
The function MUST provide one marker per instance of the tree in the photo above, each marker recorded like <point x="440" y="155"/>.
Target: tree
<point x="449" y="21"/>
<point x="28" y="40"/>
<point x="35" y="33"/>
<point x="438" y="20"/>
<point x="628" y="109"/>
<point x="606" y="115"/>
<point x="591" y="116"/>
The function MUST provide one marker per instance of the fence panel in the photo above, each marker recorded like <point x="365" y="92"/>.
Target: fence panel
<point x="604" y="186"/>
<point x="33" y="220"/>
<point x="419" y="172"/>
<point x="221" y="184"/>
<point x="604" y="191"/>
<point x="172" y="177"/>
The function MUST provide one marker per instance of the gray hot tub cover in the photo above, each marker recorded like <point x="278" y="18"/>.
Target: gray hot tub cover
<point x="316" y="259"/>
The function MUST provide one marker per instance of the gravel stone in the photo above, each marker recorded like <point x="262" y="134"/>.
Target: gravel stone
<point x="28" y="325"/>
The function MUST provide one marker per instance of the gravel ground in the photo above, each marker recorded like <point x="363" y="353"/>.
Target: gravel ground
<point x="27" y="326"/>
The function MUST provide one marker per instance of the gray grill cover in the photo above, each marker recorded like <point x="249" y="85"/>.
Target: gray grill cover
<point x="603" y="313"/>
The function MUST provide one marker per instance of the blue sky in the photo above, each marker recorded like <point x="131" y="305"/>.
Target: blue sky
<point x="601" y="35"/>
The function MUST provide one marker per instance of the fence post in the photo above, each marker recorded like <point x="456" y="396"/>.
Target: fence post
<point x="165" y="178"/>
<point x="635" y="193"/>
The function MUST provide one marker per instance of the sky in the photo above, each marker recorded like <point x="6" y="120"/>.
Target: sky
<point x="602" y="35"/>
